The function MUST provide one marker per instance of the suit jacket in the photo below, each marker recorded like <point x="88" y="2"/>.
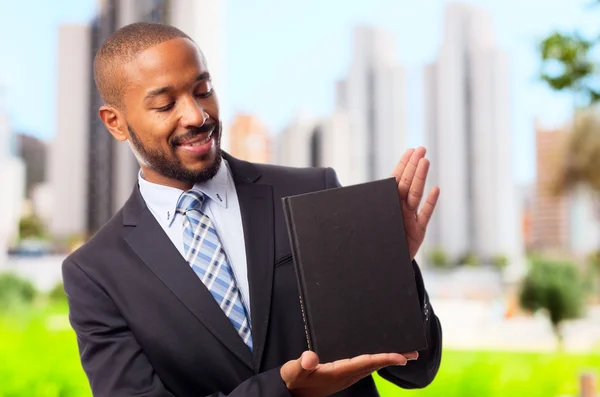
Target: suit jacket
<point x="147" y="326"/>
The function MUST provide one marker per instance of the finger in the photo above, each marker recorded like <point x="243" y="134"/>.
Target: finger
<point x="365" y="364"/>
<point x="300" y="368"/>
<point x="428" y="208"/>
<point x="415" y="192"/>
<point x="411" y="356"/>
<point x="399" y="170"/>
<point x="409" y="172"/>
<point x="353" y="379"/>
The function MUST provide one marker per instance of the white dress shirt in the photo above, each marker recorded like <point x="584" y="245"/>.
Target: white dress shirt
<point x="222" y="207"/>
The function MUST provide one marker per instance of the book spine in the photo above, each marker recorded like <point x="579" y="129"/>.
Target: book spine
<point x="298" y="268"/>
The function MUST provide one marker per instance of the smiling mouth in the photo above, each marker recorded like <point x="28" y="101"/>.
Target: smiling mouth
<point x="199" y="140"/>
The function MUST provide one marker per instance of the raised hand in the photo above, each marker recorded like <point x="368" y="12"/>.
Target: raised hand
<point x="411" y="175"/>
<point x="305" y="377"/>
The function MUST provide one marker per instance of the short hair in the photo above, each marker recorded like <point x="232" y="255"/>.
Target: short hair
<point x="123" y="46"/>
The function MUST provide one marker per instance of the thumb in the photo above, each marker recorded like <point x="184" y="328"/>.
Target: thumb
<point x="309" y="361"/>
<point x="299" y="368"/>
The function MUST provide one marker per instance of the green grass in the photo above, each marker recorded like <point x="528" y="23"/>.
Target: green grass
<point x="500" y="374"/>
<point x="39" y="358"/>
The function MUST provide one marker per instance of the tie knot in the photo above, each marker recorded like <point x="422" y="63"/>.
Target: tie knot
<point x="190" y="200"/>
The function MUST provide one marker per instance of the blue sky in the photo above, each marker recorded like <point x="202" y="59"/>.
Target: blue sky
<point x="283" y="56"/>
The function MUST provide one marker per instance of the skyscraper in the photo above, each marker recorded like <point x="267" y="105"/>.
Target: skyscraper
<point x="567" y="222"/>
<point x="112" y="168"/>
<point x="550" y="218"/>
<point x="12" y="180"/>
<point x="469" y="140"/>
<point x="323" y="142"/>
<point x="68" y="155"/>
<point x="373" y="96"/>
<point x="294" y="143"/>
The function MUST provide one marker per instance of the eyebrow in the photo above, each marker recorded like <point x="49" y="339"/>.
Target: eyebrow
<point x="163" y="90"/>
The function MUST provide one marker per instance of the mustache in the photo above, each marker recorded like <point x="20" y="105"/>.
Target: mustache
<point x="193" y="132"/>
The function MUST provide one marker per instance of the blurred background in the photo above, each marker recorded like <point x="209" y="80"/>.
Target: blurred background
<point x="504" y="96"/>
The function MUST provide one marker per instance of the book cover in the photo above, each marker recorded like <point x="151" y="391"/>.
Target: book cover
<point x="357" y="286"/>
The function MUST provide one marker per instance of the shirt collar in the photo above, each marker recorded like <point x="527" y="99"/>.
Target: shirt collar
<point x="162" y="200"/>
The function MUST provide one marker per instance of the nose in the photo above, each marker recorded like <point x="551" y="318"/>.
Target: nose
<point x="193" y="114"/>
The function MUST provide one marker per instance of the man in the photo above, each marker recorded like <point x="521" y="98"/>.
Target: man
<point x="190" y="289"/>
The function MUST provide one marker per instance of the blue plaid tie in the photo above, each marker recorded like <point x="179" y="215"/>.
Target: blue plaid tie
<point x="205" y="254"/>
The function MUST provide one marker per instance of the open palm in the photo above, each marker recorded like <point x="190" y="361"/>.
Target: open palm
<point x="411" y="176"/>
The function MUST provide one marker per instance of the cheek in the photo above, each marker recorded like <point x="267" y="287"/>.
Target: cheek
<point x="155" y="131"/>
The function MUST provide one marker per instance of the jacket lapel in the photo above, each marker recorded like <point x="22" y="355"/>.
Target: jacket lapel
<point x="151" y="244"/>
<point x="256" y="205"/>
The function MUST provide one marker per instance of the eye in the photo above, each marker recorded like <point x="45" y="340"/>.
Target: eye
<point x="204" y="94"/>
<point x="165" y="108"/>
<point x="204" y="89"/>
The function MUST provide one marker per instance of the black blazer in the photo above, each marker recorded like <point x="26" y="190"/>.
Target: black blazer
<point x="147" y="326"/>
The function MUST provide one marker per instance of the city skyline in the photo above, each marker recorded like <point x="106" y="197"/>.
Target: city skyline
<point x="257" y="77"/>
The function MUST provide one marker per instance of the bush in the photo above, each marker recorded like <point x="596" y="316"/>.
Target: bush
<point x="438" y="258"/>
<point x="32" y="227"/>
<point x="556" y="288"/>
<point x="15" y="291"/>
<point x="500" y="261"/>
<point x="469" y="259"/>
<point x="57" y="294"/>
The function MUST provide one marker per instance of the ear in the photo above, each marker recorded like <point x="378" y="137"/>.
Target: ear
<point x="114" y="121"/>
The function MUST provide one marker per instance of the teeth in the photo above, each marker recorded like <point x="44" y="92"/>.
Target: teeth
<point x="202" y="142"/>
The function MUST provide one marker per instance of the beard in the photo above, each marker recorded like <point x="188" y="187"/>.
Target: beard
<point x="169" y="165"/>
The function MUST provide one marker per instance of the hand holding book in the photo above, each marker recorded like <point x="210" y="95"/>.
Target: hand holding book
<point x="306" y="377"/>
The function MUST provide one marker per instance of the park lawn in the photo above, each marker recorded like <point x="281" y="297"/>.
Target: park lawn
<point x="39" y="358"/>
<point x="501" y="373"/>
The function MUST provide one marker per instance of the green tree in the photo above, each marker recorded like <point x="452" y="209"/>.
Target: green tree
<point x="568" y="66"/>
<point x="555" y="288"/>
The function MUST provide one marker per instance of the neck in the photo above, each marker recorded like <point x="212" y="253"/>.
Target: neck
<point x="154" y="177"/>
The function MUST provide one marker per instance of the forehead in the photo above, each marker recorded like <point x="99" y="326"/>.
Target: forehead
<point x="171" y="63"/>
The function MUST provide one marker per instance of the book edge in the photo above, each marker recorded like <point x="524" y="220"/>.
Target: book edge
<point x="298" y="269"/>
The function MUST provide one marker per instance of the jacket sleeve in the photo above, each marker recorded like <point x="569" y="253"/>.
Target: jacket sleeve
<point x="113" y="361"/>
<point x="421" y="372"/>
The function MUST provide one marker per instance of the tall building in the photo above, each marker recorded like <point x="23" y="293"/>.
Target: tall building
<point x="550" y="218"/>
<point x="330" y="146"/>
<point x="294" y="146"/>
<point x="68" y="155"/>
<point x="562" y="223"/>
<point x="12" y="180"/>
<point x="468" y="137"/>
<point x="323" y="142"/>
<point x="250" y="140"/>
<point x="109" y="169"/>
<point x="373" y="97"/>
<point x="112" y="166"/>
<point x="33" y="151"/>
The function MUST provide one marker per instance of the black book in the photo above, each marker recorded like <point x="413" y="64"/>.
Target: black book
<point x="357" y="284"/>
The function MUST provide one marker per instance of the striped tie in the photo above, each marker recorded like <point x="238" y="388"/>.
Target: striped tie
<point x="205" y="254"/>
